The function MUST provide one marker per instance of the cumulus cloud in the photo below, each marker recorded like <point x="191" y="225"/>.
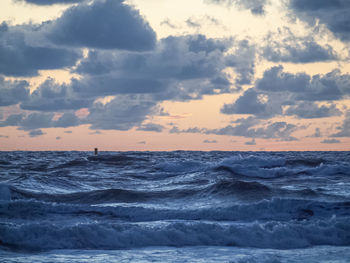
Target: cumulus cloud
<point x="283" y="93"/>
<point x="122" y="113"/>
<point x="256" y="7"/>
<point x="310" y="110"/>
<point x="13" y="92"/>
<point x="284" y="46"/>
<point x="38" y="120"/>
<point x="12" y="120"/>
<point x="106" y="24"/>
<point x="180" y="68"/>
<point x="243" y="62"/>
<point x="327" y="87"/>
<point x="344" y="129"/>
<point x="51" y="96"/>
<point x="20" y="55"/>
<point x="334" y="14"/>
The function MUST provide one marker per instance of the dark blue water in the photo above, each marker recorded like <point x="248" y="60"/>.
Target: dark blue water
<point x="175" y="206"/>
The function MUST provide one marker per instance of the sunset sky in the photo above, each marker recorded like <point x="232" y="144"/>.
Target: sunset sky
<point x="175" y="75"/>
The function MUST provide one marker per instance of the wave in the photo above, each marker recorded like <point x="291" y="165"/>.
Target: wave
<point x="97" y="235"/>
<point x="266" y="210"/>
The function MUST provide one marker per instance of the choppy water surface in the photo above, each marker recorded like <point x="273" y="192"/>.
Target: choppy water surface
<point x="175" y="207"/>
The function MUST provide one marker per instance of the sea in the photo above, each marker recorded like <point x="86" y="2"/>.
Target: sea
<point x="180" y="206"/>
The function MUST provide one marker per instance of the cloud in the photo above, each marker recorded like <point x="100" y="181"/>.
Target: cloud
<point x="249" y="128"/>
<point x="248" y="103"/>
<point x="122" y="113"/>
<point x="273" y="130"/>
<point x="167" y="22"/>
<point x="180" y="68"/>
<point x="38" y="120"/>
<point x="330" y="141"/>
<point x="36" y="133"/>
<point x="344" y="129"/>
<point x="252" y="142"/>
<point x="256" y="7"/>
<point x="4" y="136"/>
<point x="209" y="141"/>
<point x="284" y="46"/>
<point x="243" y="61"/>
<point x="142" y="142"/>
<point x="317" y="133"/>
<point x="58" y="138"/>
<point x="151" y="127"/>
<point x="309" y="110"/>
<point x="22" y="55"/>
<point x="12" y="120"/>
<point x="68" y="132"/>
<point x="334" y="14"/>
<point x="301" y="86"/>
<point x="106" y="24"/>
<point x="51" y="96"/>
<point x="13" y="92"/>
<point x="50" y="2"/>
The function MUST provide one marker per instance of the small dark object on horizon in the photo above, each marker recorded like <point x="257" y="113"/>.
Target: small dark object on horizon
<point x="96" y="151"/>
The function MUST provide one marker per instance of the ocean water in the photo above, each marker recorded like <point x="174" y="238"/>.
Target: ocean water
<point x="180" y="206"/>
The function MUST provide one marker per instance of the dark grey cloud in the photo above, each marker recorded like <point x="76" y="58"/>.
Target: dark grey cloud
<point x="330" y="141"/>
<point x="327" y="87"/>
<point x="153" y="127"/>
<point x="38" y="120"/>
<point x="12" y="120"/>
<point x="180" y="68"/>
<point x="248" y="103"/>
<point x="243" y="62"/>
<point x="334" y="14"/>
<point x="13" y="92"/>
<point x="51" y="96"/>
<point x="58" y="138"/>
<point x="256" y="7"/>
<point x="36" y="133"/>
<point x="122" y="113"/>
<point x="50" y="2"/>
<point x="284" y="46"/>
<point x="309" y="110"/>
<point x="68" y="119"/>
<point x="344" y="129"/>
<point x="106" y="24"/>
<point x="4" y="136"/>
<point x="68" y="132"/>
<point x="22" y="55"/>
<point x="283" y="93"/>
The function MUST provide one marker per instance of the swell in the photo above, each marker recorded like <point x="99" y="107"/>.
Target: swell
<point x="266" y="210"/>
<point x="97" y="235"/>
<point x="222" y="187"/>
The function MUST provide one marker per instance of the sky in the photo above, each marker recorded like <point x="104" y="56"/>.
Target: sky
<point x="236" y="75"/>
